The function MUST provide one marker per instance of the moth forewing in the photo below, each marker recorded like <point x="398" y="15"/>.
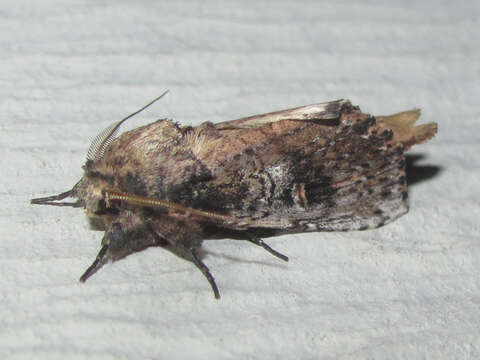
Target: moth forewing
<point x="321" y="111"/>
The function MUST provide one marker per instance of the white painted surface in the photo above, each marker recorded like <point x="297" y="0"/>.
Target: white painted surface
<point x="70" y="68"/>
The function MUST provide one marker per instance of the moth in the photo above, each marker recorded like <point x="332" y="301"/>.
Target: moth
<point x="320" y="167"/>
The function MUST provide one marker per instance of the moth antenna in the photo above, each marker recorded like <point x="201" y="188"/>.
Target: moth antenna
<point x="53" y="199"/>
<point x="104" y="138"/>
<point x="144" y="201"/>
<point x="206" y="272"/>
<point x="257" y="241"/>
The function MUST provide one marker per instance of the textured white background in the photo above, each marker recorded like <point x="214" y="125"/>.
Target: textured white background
<point x="70" y="68"/>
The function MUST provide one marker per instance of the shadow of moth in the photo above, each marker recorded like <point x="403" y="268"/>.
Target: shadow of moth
<point x="321" y="167"/>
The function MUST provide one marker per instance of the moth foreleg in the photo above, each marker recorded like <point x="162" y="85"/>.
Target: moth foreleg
<point x="205" y="271"/>
<point x="99" y="261"/>
<point x="257" y="241"/>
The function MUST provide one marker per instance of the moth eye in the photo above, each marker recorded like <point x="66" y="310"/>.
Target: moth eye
<point x="103" y="209"/>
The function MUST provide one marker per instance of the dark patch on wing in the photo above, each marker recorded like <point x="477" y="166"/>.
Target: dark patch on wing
<point x="133" y="184"/>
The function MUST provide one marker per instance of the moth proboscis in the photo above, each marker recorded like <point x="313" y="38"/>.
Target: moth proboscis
<point x="320" y="167"/>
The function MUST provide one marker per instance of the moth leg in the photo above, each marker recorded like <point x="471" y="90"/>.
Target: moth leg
<point x="257" y="241"/>
<point x="99" y="261"/>
<point x="206" y="272"/>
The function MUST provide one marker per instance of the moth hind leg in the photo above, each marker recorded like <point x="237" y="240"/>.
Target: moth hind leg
<point x="205" y="271"/>
<point x="259" y="242"/>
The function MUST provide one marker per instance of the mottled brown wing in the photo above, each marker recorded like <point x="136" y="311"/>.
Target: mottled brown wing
<point x="216" y="144"/>
<point x="404" y="130"/>
<point x="310" y="175"/>
<point x="321" y="111"/>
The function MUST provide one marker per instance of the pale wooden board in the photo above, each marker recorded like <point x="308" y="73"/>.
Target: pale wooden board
<point x="70" y="68"/>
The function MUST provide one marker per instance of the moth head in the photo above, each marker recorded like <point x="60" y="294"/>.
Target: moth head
<point x="90" y="192"/>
